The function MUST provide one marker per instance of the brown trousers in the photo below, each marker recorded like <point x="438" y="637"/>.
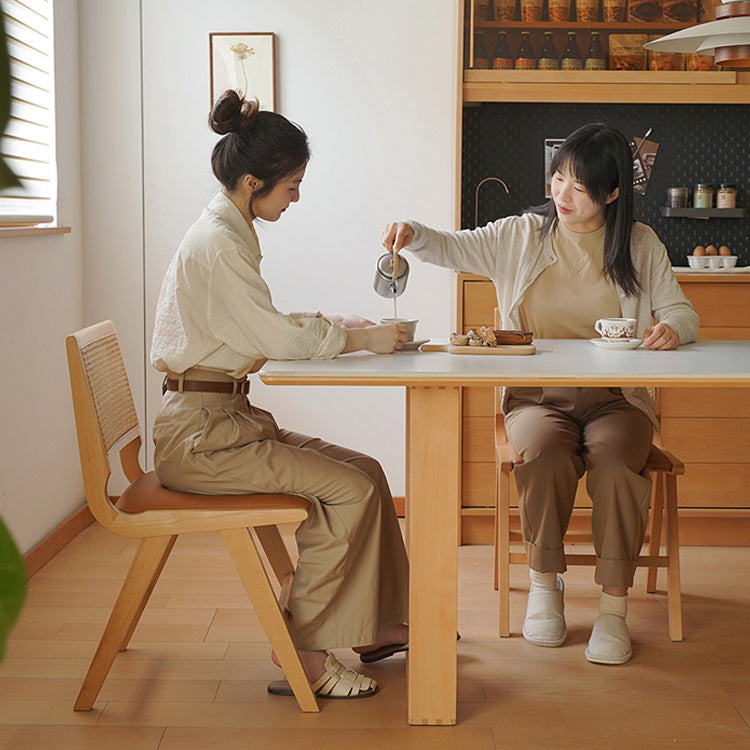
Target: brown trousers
<point x="562" y="432"/>
<point x="352" y="574"/>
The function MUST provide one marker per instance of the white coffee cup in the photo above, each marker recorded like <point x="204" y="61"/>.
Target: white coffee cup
<point x="615" y="328"/>
<point x="410" y="323"/>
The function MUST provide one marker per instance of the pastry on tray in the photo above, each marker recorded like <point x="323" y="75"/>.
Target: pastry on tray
<point x="513" y="337"/>
<point x="486" y="336"/>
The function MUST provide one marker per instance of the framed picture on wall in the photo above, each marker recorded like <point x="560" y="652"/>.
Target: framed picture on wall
<point x="244" y="62"/>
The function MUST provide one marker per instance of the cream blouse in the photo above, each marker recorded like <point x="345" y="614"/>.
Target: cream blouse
<point x="215" y="310"/>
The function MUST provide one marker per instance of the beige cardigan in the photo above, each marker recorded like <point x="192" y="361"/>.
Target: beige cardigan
<point x="512" y="252"/>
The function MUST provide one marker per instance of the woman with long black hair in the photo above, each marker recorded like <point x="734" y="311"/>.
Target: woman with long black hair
<point x="557" y="269"/>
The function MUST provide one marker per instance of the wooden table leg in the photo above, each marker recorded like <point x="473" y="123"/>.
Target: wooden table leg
<point x="432" y="513"/>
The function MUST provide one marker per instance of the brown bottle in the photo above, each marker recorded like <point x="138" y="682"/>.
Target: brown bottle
<point x="595" y="58"/>
<point x="501" y="59"/>
<point x="549" y="60"/>
<point x="571" y="57"/>
<point x="525" y="59"/>
<point x="481" y="60"/>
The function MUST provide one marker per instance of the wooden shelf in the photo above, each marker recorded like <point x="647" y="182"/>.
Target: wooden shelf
<point x="607" y="26"/>
<point x="613" y="86"/>
<point x="703" y="213"/>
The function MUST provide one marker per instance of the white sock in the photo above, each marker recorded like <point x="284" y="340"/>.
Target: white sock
<point x="543" y="581"/>
<point x="610" y="639"/>
<point x="613" y="605"/>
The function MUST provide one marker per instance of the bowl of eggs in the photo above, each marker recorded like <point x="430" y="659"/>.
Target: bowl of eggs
<point x="708" y="258"/>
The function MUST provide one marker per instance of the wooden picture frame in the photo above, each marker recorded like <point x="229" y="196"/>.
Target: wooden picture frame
<point x="244" y="62"/>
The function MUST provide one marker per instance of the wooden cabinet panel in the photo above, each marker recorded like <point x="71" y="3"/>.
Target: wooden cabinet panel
<point x="707" y="333"/>
<point x="478" y="442"/>
<point x="478" y="484"/>
<point x="715" y="486"/>
<point x="479" y="488"/>
<point x="719" y="304"/>
<point x="705" y="402"/>
<point x="701" y="440"/>
<point x="479" y="402"/>
<point x="479" y="304"/>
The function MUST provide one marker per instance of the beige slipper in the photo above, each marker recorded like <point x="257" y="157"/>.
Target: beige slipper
<point x="610" y="638"/>
<point x="544" y="624"/>
<point x="336" y="682"/>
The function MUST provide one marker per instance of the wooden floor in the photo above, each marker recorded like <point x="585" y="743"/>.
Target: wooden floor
<point x="195" y="676"/>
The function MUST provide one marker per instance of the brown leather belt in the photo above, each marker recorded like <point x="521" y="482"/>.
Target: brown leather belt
<point x="207" y="386"/>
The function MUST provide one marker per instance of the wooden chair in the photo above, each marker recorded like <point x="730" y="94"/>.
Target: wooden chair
<point x="664" y="469"/>
<point x="106" y="423"/>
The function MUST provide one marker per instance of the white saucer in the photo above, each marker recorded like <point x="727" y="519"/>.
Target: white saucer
<point x="616" y="343"/>
<point x="411" y="346"/>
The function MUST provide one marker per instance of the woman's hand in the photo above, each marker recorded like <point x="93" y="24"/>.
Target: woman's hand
<point x="378" y="339"/>
<point x="347" y="320"/>
<point x="396" y="236"/>
<point x="660" y="336"/>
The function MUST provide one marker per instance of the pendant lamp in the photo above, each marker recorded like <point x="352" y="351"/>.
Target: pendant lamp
<point x="727" y="38"/>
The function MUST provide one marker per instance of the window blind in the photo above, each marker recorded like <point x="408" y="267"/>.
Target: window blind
<point x="28" y="144"/>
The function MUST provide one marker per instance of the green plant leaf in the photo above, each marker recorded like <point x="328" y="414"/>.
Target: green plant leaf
<point x="7" y="178"/>
<point x="12" y="585"/>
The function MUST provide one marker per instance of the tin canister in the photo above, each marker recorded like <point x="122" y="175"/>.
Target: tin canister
<point x="677" y="197"/>
<point x="385" y="285"/>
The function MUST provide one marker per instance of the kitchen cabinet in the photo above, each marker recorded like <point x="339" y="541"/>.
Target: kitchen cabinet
<point x="614" y="86"/>
<point x="707" y="429"/>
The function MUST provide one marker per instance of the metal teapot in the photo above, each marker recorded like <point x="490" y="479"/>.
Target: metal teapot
<point x="387" y="283"/>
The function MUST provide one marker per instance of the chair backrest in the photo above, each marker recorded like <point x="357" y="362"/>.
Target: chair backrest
<point x="106" y="419"/>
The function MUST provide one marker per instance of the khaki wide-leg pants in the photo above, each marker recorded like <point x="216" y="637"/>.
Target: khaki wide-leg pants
<point x="562" y="432"/>
<point x="352" y="574"/>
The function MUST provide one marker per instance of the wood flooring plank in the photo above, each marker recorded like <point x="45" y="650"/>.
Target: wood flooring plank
<point x="36" y="737"/>
<point x="195" y="675"/>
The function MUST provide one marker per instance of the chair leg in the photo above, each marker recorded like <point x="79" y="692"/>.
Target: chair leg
<point x="276" y="551"/>
<point x="255" y="579"/>
<point x="674" y="596"/>
<point x="502" y="552"/>
<point x="148" y="562"/>
<point x="657" y="514"/>
<point x="144" y="600"/>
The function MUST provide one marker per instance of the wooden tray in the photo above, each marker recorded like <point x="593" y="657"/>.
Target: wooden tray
<point x="517" y="349"/>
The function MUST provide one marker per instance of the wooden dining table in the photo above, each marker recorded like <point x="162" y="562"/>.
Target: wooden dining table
<point x="433" y="383"/>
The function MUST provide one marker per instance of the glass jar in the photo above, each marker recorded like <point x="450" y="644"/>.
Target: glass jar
<point x="703" y="195"/>
<point x="677" y="197"/>
<point x="726" y="195"/>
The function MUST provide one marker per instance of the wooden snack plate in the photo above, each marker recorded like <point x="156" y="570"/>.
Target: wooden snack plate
<point x="518" y="349"/>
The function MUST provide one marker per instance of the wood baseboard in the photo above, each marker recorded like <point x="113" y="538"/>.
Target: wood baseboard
<point x="40" y="554"/>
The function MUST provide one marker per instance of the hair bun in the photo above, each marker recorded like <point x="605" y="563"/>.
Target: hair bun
<point x="232" y="113"/>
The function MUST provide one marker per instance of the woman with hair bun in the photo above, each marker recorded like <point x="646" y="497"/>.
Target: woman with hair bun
<point x="215" y="324"/>
<point x="557" y="269"/>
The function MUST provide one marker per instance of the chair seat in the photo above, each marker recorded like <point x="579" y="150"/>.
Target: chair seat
<point x="148" y="493"/>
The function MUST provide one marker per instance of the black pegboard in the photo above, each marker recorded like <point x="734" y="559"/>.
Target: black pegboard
<point x="697" y="143"/>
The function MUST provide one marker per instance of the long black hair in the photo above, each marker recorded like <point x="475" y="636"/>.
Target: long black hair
<point x="599" y="157"/>
<point x="257" y="142"/>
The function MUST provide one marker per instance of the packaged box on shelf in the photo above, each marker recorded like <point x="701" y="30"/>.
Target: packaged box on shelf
<point x="680" y="11"/>
<point x="664" y="60"/>
<point x="626" y="51"/>
<point x="645" y="10"/>
<point x="699" y="62"/>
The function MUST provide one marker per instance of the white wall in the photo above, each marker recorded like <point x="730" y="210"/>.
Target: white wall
<point x="40" y="303"/>
<point x="372" y="84"/>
